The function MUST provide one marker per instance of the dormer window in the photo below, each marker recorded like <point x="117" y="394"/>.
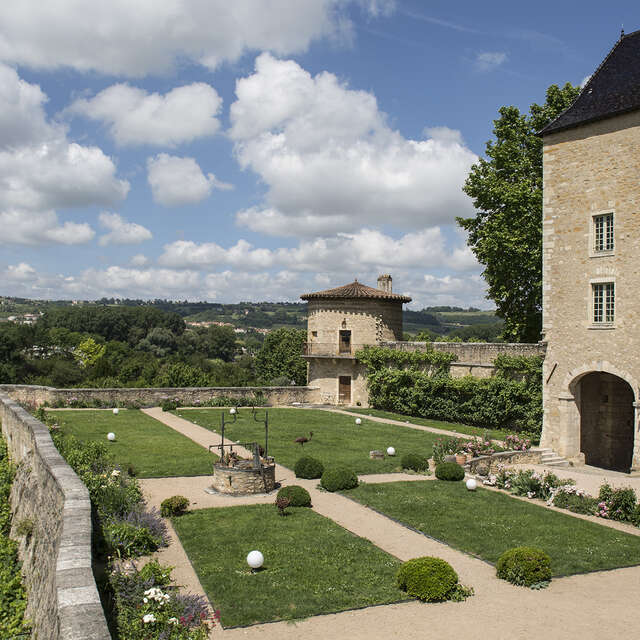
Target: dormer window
<point x="603" y="233"/>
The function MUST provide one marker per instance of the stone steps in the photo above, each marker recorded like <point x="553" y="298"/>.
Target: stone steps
<point x="550" y="458"/>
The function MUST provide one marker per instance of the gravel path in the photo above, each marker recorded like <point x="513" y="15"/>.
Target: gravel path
<point x="596" y="605"/>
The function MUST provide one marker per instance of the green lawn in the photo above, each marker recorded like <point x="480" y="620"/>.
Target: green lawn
<point x="312" y="565"/>
<point x="336" y="438"/>
<point x="485" y="524"/>
<point x="153" y="449"/>
<point x="495" y="434"/>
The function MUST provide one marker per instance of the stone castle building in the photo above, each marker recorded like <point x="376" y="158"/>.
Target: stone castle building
<point x="591" y="268"/>
<point x="341" y="321"/>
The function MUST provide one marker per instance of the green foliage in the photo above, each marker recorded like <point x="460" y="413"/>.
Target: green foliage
<point x="576" y="502"/>
<point x="298" y="496"/>
<point x="174" y="506"/>
<point x="128" y="540"/>
<point x="429" y="579"/>
<point x="449" y="471"/>
<point x="281" y="355"/>
<point x="524" y="566"/>
<point x="620" y="503"/>
<point x="169" y="405"/>
<point x="13" y="596"/>
<point x="88" y="352"/>
<point x="377" y="358"/>
<point x="308" y="467"/>
<point x="338" y="479"/>
<point x="445" y="447"/>
<point x="414" y="461"/>
<point x="506" y="233"/>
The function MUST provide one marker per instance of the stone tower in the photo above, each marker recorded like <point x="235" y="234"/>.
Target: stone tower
<point x="341" y="321"/>
<point x="591" y="267"/>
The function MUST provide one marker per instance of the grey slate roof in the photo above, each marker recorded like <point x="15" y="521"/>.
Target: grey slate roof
<point x="355" y="290"/>
<point x="613" y="89"/>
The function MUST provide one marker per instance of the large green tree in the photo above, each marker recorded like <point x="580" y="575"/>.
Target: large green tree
<point x="281" y="358"/>
<point x="506" y="233"/>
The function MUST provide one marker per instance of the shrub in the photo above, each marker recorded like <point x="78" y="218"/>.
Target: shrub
<point x="620" y="503"/>
<point x="339" y="478"/>
<point x="128" y="540"/>
<point x="308" y="467"/>
<point x="298" y="496"/>
<point x="173" y="506"/>
<point x="169" y="405"/>
<point x="429" y="579"/>
<point x="414" y="462"/>
<point x="443" y="447"/>
<point x="524" y="566"/>
<point x="449" y="471"/>
<point x="568" y="498"/>
<point x="635" y="516"/>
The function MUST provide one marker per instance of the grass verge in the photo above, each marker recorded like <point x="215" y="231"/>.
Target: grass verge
<point x="485" y="524"/>
<point x="336" y="438"/>
<point x="312" y="565"/>
<point x="153" y="449"/>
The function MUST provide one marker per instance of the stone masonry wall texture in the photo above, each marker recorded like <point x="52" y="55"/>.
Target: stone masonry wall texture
<point x="589" y="170"/>
<point x="63" y="601"/>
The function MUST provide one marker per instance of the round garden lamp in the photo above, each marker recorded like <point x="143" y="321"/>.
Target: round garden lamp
<point x="391" y="451"/>
<point x="255" y="559"/>
<point x="111" y="436"/>
<point x="358" y="421"/>
<point x="115" y="412"/>
<point x="232" y="411"/>
<point x="472" y="485"/>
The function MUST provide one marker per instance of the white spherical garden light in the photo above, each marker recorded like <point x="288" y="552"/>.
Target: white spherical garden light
<point x="358" y="421"/>
<point x="232" y="410"/>
<point x="115" y="411"/>
<point x="255" y="559"/>
<point x="471" y="484"/>
<point x="111" y="436"/>
<point x="391" y="451"/>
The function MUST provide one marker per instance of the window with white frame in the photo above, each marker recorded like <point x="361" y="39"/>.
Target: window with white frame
<point x="603" y="233"/>
<point x="604" y="302"/>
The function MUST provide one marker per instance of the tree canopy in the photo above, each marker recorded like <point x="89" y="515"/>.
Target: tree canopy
<point x="506" y="233"/>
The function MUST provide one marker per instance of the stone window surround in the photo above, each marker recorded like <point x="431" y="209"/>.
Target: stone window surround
<point x="601" y="325"/>
<point x="592" y="240"/>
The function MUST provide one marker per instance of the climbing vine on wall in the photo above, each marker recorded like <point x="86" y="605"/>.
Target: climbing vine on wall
<point x="419" y="384"/>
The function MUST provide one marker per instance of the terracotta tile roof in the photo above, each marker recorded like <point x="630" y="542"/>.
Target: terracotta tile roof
<point x="614" y="88"/>
<point x="356" y="289"/>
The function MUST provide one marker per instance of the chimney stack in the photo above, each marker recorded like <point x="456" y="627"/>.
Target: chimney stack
<point x="384" y="283"/>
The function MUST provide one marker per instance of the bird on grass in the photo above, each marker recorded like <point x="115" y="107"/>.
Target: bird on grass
<point x="303" y="439"/>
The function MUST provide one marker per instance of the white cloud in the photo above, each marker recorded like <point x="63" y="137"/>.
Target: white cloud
<point x="121" y="231"/>
<point x="135" y="117"/>
<point x="22" y="272"/>
<point x="177" y="181"/>
<point x="127" y="38"/>
<point x="489" y="60"/>
<point x="330" y="161"/>
<point x="139" y="260"/>
<point x="41" y="228"/>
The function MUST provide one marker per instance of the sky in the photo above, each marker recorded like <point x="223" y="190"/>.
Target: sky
<point x="261" y="149"/>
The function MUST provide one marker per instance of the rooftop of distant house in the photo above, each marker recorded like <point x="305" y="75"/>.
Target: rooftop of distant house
<point x="356" y="289"/>
<point x="613" y="89"/>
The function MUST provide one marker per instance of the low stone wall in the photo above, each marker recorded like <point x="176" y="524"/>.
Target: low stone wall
<point x="238" y="481"/>
<point x="63" y="601"/>
<point x="484" y="465"/>
<point x="273" y="396"/>
<point x="473" y="353"/>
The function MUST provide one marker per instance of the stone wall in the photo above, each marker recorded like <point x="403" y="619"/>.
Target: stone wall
<point x="63" y="599"/>
<point x="589" y="170"/>
<point x="273" y="396"/>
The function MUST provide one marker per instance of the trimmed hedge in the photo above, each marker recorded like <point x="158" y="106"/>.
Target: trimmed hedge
<point x="449" y="471"/>
<point x="173" y="506"/>
<point x="308" y="467"/>
<point x="414" y="461"/>
<point x="298" y="496"/>
<point x="339" y="478"/>
<point x="524" y="566"/>
<point x="429" y="579"/>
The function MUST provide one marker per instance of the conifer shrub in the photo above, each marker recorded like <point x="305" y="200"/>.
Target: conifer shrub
<point x="524" y="566"/>
<point x="308" y="467"/>
<point x="298" y="496"/>
<point x="339" y="478"/>
<point x="449" y="471"/>
<point x="429" y="579"/>
<point x="414" y="461"/>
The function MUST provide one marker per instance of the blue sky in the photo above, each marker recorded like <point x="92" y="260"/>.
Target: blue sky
<point x="253" y="150"/>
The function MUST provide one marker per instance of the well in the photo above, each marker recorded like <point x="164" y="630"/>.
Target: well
<point x="243" y="478"/>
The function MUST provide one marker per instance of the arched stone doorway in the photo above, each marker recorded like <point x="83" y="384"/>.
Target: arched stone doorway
<point x="606" y="405"/>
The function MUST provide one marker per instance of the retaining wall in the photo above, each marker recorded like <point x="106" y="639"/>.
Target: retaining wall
<point x="274" y="396"/>
<point x="63" y="601"/>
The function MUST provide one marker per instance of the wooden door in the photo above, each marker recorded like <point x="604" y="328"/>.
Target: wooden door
<point x="344" y="389"/>
<point x="344" y="345"/>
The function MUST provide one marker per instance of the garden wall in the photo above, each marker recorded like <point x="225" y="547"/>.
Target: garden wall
<point x="63" y="599"/>
<point x="273" y="396"/>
